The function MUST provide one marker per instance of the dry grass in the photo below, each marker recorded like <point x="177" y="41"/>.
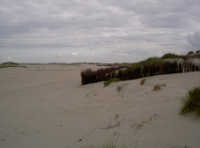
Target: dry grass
<point x="158" y="87"/>
<point x="119" y="88"/>
<point x="142" y="82"/>
<point x="107" y="83"/>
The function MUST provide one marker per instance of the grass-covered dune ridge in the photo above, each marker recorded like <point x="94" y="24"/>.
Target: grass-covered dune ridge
<point x="10" y="64"/>
<point x="168" y="63"/>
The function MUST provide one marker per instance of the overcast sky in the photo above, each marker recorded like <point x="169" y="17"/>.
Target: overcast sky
<point x="96" y="30"/>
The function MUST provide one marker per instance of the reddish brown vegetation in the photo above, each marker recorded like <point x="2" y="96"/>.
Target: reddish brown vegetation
<point x="89" y="76"/>
<point x="149" y="67"/>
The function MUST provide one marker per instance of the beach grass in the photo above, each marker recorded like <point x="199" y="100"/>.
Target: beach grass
<point x="108" y="82"/>
<point x="192" y="102"/>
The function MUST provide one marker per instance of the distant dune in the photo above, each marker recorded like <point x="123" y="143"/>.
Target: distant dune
<point x="45" y="106"/>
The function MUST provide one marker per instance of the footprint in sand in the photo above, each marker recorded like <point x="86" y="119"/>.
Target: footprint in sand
<point x="116" y="134"/>
<point x="140" y="125"/>
<point x="3" y="139"/>
<point x="115" y="123"/>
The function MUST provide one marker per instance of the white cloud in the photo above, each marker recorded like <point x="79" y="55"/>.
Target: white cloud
<point x="75" y="53"/>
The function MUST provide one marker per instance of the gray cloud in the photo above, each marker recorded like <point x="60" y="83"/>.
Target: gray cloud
<point x="106" y="30"/>
<point x="194" y="39"/>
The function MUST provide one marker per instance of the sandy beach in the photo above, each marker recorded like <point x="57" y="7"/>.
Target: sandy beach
<point x="45" y="106"/>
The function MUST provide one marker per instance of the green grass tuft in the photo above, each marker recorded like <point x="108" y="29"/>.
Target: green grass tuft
<point x="192" y="102"/>
<point x="109" y="145"/>
<point x="107" y="83"/>
<point x="119" y="88"/>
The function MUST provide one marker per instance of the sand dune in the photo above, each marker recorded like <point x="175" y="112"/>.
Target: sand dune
<point x="45" y="106"/>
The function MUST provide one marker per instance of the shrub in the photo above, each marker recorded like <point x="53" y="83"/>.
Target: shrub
<point x="171" y="56"/>
<point x="119" y="88"/>
<point x="153" y="60"/>
<point x="108" y="82"/>
<point x="190" y="52"/>
<point x="192" y="102"/>
<point x="142" y="82"/>
<point x="158" y="87"/>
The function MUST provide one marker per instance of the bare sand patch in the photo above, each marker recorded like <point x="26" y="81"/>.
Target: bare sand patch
<point x="46" y="106"/>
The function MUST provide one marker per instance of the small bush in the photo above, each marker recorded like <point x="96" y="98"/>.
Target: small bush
<point x="190" y="52"/>
<point x="119" y="88"/>
<point x="142" y="82"/>
<point x="107" y="83"/>
<point x="192" y="102"/>
<point x="158" y="87"/>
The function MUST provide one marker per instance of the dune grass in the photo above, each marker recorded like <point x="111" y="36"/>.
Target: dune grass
<point x="158" y="87"/>
<point x="8" y="64"/>
<point x="171" y="56"/>
<point x="129" y="71"/>
<point x="192" y="102"/>
<point x="111" y="145"/>
<point x="108" y="82"/>
<point x="122" y="146"/>
<point x="119" y="88"/>
<point x="142" y="82"/>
